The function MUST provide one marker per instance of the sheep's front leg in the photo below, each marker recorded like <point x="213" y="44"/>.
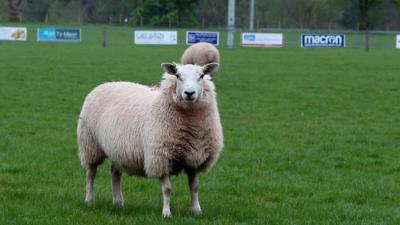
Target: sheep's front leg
<point x="116" y="174"/>
<point x="90" y="175"/>
<point x="194" y="188"/>
<point x="166" y="190"/>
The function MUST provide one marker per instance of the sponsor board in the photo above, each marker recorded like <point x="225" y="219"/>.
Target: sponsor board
<point x="142" y="37"/>
<point x="262" y="39"/>
<point x="323" y="40"/>
<point x="13" y="33"/>
<point x="61" y="35"/>
<point x="398" y="41"/>
<point x="193" y="37"/>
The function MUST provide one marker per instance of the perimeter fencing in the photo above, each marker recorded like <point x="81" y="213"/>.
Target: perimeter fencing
<point x="106" y="35"/>
<point x="354" y="38"/>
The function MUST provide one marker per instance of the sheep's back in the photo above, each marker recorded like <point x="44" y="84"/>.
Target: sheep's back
<point x="200" y="54"/>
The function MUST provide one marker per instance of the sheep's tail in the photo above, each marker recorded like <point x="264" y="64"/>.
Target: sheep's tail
<point x="90" y="153"/>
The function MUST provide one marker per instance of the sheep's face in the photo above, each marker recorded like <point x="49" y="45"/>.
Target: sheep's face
<point x="189" y="79"/>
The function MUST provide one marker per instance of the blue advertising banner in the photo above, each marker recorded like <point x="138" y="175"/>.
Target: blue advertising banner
<point x="323" y="40"/>
<point x="55" y="34"/>
<point x="193" y="37"/>
<point x="262" y="40"/>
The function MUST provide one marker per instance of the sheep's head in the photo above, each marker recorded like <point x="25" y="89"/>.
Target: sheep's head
<point x="190" y="79"/>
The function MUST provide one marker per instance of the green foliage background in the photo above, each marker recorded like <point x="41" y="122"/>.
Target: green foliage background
<point x="305" y="14"/>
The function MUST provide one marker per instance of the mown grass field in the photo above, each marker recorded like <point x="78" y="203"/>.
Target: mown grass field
<point x="311" y="137"/>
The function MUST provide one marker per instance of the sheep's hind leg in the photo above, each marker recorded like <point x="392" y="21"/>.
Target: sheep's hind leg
<point x="193" y="178"/>
<point x="116" y="174"/>
<point x="166" y="189"/>
<point x="90" y="175"/>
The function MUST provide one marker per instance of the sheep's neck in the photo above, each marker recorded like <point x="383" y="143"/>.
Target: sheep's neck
<point x="190" y="116"/>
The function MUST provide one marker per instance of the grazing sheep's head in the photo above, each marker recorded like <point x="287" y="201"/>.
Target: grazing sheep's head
<point x="190" y="79"/>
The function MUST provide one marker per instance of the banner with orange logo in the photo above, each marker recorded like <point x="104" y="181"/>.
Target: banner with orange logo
<point x="13" y="33"/>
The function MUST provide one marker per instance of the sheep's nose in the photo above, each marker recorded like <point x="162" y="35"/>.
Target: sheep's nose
<point x="189" y="93"/>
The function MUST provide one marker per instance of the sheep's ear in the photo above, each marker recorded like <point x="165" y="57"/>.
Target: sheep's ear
<point x="210" y="68"/>
<point x="169" y="68"/>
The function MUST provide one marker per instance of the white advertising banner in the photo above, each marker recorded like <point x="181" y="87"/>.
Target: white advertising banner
<point x="13" y="33"/>
<point x="398" y="41"/>
<point x="148" y="37"/>
<point x="262" y="39"/>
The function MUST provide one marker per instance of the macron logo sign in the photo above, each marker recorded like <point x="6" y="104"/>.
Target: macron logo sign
<point x="323" y="40"/>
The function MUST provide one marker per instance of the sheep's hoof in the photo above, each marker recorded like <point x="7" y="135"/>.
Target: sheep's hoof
<point x="89" y="202"/>
<point x="166" y="214"/>
<point x="196" y="212"/>
<point x="118" y="203"/>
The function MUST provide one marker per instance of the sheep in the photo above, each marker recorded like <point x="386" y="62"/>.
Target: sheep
<point x="151" y="132"/>
<point x="200" y="54"/>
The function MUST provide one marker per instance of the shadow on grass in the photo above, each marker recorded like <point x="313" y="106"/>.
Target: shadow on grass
<point x="141" y="208"/>
<point x="129" y="209"/>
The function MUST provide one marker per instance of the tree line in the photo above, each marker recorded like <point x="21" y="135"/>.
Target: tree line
<point x="303" y="14"/>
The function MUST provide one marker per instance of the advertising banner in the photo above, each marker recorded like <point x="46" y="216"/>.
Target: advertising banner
<point x="262" y="40"/>
<point x="147" y="37"/>
<point x="58" y="35"/>
<point x="193" y="37"/>
<point x="323" y="40"/>
<point x="13" y="33"/>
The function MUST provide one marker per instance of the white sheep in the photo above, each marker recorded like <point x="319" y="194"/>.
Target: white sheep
<point x="200" y="54"/>
<point x="153" y="132"/>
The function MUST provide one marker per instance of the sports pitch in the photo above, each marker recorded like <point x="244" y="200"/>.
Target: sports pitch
<point x="311" y="136"/>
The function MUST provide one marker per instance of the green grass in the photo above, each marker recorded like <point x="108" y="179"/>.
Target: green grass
<point x="311" y="137"/>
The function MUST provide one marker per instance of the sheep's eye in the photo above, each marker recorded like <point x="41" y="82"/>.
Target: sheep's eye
<point x="178" y="76"/>
<point x="202" y="76"/>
